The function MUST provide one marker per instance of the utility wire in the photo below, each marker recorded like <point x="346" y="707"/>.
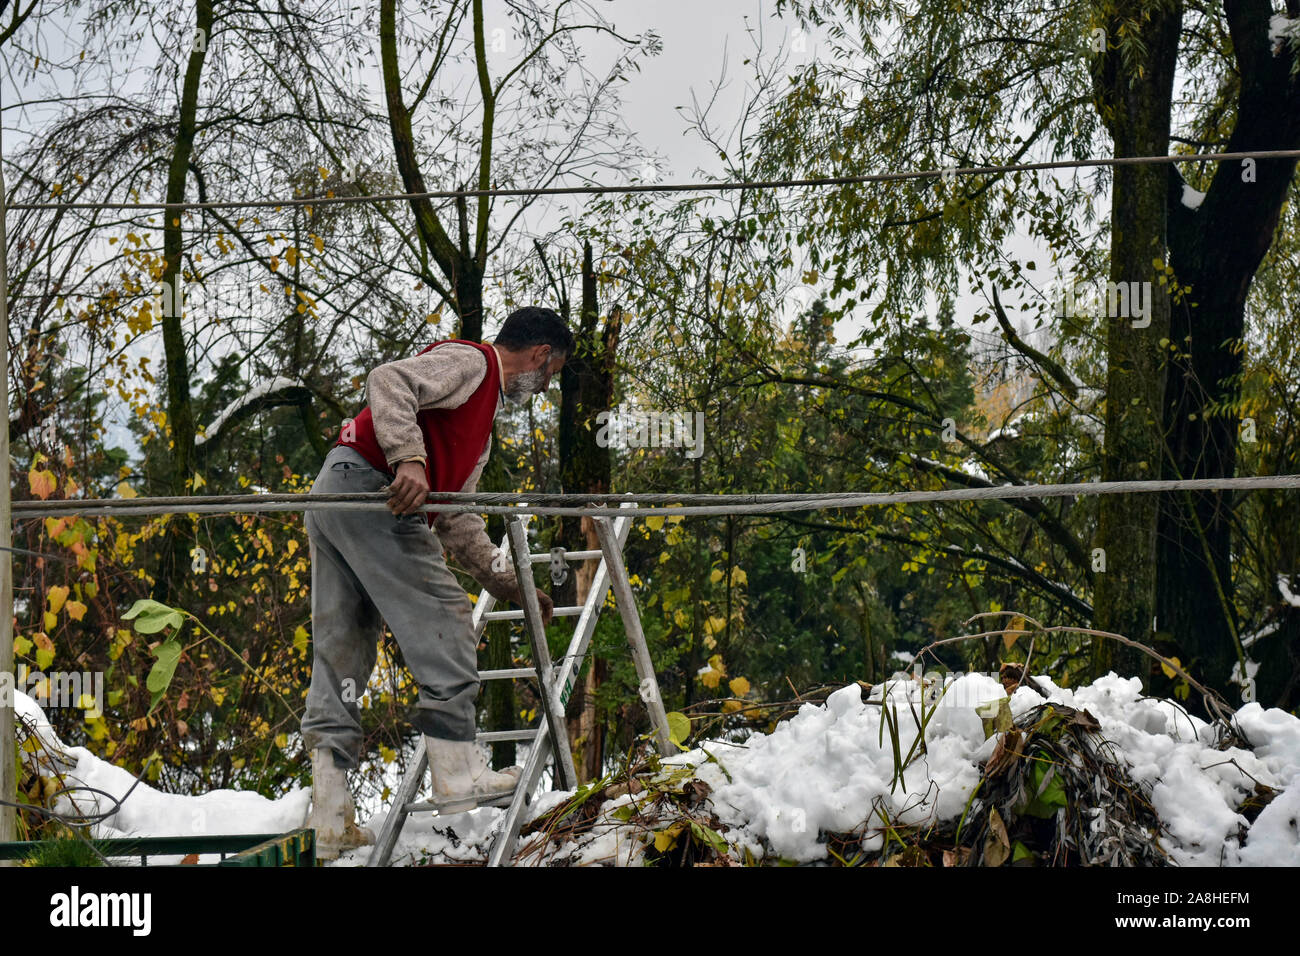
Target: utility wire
<point x="39" y="554"/>
<point x="595" y="503"/>
<point x="724" y="186"/>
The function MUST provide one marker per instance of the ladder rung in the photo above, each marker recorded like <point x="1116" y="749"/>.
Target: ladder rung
<point x="545" y="557"/>
<point x="427" y="806"/>
<point x="518" y="615"/>
<point x="496" y="736"/>
<point x="508" y="673"/>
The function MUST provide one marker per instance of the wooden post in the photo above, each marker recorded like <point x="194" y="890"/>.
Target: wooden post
<point x="8" y="735"/>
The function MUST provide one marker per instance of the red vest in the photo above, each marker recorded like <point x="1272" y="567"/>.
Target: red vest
<point x="454" y="438"/>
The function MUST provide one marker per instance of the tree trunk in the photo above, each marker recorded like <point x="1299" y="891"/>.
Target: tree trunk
<point x="1135" y="107"/>
<point x="500" y="697"/>
<point x="460" y="266"/>
<point x="585" y="728"/>
<point x="180" y="412"/>
<point x="586" y="388"/>
<point x="1215" y="249"/>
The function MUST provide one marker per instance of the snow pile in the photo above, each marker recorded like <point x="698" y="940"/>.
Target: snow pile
<point x="148" y="812"/>
<point x="828" y="769"/>
<point x="428" y="838"/>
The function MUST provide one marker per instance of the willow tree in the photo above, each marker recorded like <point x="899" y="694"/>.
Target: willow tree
<point x="939" y="84"/>
<point x="511" y="143"/>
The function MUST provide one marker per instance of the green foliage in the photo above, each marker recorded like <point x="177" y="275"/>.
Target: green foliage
<point x="67" y="849"/>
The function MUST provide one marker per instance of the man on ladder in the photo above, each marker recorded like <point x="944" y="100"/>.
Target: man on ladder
<point x="428" y="427"/>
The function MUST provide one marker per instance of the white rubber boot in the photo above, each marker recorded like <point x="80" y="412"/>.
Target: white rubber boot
<point x="461" y="777"/>
<point x="333" y="812"/>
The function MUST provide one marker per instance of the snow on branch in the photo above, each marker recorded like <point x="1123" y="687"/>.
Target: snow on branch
<point x="278" y="391"/>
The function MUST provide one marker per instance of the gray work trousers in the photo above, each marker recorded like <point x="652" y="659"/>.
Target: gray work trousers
<point x="367" y="565"/>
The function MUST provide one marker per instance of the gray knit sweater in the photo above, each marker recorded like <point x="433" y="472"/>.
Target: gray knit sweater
<point x="444" y="377"/>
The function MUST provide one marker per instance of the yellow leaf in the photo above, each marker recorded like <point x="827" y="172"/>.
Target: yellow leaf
<point x="1169" y="671"/>
<point x="716" y="576"/>
<point x="318" y="243"/>
<point x="125" y="491"/>
<point x="42" y="483"/>
<point x="56" y="596"/>
<point x="738" y="576"/>
<point x="739" y="686"/>
<point x="123" y="638"/>
<point x="710" y="678"/>
<point x="666" y="839"/>
<point x="44" y="650"/>
<point x="21" y="646"/>
<point x="51" y="620"/>
<point x="76" y="610"/>
<point x="730" y="706"/>
<point x="654" y="523"/>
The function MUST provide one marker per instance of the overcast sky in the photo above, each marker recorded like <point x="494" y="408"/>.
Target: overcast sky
<point x="704" y="42"/>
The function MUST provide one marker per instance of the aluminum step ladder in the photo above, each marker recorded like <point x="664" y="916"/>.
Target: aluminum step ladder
<point x="556" y="680"/>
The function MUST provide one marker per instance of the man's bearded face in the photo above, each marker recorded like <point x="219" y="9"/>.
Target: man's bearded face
<point x="525" y="385"/>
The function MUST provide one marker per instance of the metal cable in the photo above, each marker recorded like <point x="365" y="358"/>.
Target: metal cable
<point x="39" y="554"/>
<point x="525" y="503"/>
<point x="680" y="187"/>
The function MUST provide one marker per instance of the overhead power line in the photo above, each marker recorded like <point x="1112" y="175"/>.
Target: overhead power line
<point x="723" y="186"/>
